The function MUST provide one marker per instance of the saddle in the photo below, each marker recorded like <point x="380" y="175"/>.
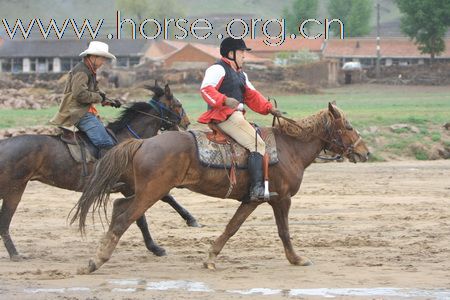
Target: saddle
<point x="215" y="149"/>
<point x="216" y="135"/>
<point x="80" y="147"/>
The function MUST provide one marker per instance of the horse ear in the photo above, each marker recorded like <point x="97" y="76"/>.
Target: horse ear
<point x="151" y="88"/>
<point x="334" y="102"/>
<point x="333" y="110"/>
<point x="167" y="91"/>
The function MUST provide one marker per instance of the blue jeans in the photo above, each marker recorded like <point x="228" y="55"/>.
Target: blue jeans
<point x="96" y="131"/>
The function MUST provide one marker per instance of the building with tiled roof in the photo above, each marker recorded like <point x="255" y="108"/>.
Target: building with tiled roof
<point x="183" y="55"/>
<point x="266" y="48"/>
<point x="393" y="51"/>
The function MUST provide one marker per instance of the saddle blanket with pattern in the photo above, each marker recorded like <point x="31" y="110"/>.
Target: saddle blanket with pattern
<point x="215" y="155"/>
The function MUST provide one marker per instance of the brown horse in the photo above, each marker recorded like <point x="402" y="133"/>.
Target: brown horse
<point x="46" y="158"/>
<point x="157" y="165"/>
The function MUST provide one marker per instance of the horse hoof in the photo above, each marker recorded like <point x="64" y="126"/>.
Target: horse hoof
<point x="303" y="262"/>
<point x="87" y="270"/>
<point x="209" y="265"/>
<point x="193" y="223"/>
<point x="16" y="258"/>
<point x="158" y="251"/>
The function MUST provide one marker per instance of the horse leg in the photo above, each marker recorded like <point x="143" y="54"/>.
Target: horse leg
<point x="241" y="214"/>
<point x="141" y="222"/>
<point x="125" y="212"/>
<point x="190" y="220"/>
<point x="281" y="212"/>
<point x="148" y="240"/>
<point x="10" y="202"/>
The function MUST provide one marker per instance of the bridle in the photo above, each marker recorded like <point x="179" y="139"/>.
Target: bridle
<point x="335" y="136"/>
<point x="165" y="114"/>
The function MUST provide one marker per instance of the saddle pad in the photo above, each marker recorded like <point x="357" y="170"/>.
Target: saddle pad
<point x="214" y="155"/>
<point x="75" y="152"/>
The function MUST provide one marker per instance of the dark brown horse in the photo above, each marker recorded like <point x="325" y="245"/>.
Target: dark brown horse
<point x="157" y="165"/>
<point x="46" y="158"/>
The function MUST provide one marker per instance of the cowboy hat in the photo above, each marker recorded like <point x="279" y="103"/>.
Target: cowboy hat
<point x="99" y="49"/>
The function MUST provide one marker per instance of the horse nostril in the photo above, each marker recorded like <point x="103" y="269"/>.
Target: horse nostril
<point x="368" y="153"/>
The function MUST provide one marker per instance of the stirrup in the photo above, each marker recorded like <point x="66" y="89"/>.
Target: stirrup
<point x="267" y="194"/>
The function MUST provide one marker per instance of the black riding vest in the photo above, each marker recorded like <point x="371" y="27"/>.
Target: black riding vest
<point x="233" y="84"/>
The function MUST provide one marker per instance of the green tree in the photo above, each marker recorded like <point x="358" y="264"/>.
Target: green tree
<point x="150" y="9"/>
<point x="426" y="22"/>
<point x="299" y="11"/>
<point x="354" y="14"/>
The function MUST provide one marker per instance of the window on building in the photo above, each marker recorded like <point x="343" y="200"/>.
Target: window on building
<point x="134" y="61"/>
<point x="41" y="65"/>
<point x="33" y="65"/>
<point x="122" y="62"/>
<point x="66" y="64"/>
<point x="50" y="65"/>
<point x="6" y="65"/>
<point x="17" y="65"/>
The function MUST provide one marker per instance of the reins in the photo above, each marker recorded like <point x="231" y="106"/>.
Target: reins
<point x="332" y="141"/>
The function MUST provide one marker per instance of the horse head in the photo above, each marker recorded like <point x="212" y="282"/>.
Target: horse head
<point x="343" y="139"/>
<point x="171" y="104"/>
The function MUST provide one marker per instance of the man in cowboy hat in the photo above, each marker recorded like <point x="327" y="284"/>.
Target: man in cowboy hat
<point x="226" y="89"/>
<point x="81" y="93"/>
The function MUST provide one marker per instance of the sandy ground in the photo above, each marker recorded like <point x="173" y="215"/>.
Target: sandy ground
<point x="365" y="226"/>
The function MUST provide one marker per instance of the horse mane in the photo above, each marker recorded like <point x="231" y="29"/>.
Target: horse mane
<point x="130" y="113"/>
<point x="306" y="128"/>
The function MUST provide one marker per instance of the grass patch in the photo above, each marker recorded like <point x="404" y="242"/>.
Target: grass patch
<point x="12" y="118"/>
<point x="373" y="157"/>
<point x="420" y="155"/>
<point x="401" y="130"/>
<point x="435" y="136"/>
<point x="418" y="120"/>
<point x="365" y="106"/>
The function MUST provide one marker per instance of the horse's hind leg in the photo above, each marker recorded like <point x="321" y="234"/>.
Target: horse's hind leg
<point x="125" y="212"/>
<point x="281" y="211"/>
<point x="10" y="202"/>
<point x="241" y="214"/>
<point x="190" y="220"/>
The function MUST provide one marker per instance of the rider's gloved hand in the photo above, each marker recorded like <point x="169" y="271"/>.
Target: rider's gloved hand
<point x="276" y="112"/>
<point x="116" y="103"/>
<point x="103" y="95"/>
<point x="231" y="102"/>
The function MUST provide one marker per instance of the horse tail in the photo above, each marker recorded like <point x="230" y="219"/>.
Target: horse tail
<point x="106" y="173"/>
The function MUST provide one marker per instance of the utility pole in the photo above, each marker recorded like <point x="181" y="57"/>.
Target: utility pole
<point x="377" y="66"/>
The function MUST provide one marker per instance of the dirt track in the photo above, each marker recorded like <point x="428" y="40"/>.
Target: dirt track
<point x="364" y="226"/>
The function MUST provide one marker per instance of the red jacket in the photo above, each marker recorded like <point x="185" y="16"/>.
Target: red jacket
<point x="219" y="112"/>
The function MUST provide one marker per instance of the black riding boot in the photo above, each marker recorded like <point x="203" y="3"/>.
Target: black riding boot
<point x="255" y="169"/>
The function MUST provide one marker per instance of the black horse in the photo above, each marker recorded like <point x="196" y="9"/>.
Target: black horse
<point x="46" y="158"/>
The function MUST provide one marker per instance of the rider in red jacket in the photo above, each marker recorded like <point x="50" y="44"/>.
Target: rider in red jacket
<point x="226" y="89"/>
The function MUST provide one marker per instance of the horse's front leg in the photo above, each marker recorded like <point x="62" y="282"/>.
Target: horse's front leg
<point x="281" y="212"/>
<point x="190" y="220"/>
<point x="148" y="240"/>
<point x="241" y="214"/>
<point x="143" y="226"/>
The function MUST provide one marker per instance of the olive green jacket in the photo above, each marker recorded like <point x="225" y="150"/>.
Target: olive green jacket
<point x="79" y="93"/>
